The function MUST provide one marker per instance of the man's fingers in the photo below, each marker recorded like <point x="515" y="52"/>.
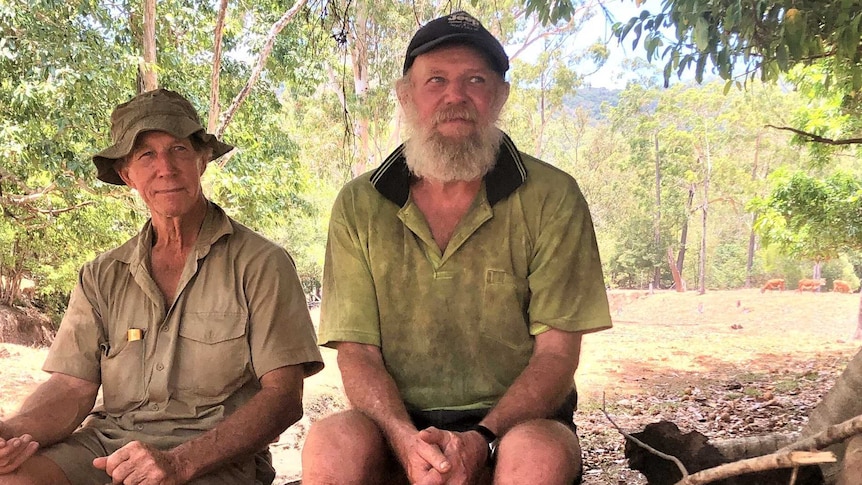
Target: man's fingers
<point x="115" y="459"/>
<point x="431" y="478"/>
<point x="432" y="454"/>
<point x="435" y="436"/>
<point x="23" y="451"/>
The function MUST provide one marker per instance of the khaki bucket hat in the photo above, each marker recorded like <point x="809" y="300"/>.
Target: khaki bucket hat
<point x="159" y="110"/>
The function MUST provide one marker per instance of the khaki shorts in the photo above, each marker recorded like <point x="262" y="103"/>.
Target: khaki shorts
<point x="75" y="457"/>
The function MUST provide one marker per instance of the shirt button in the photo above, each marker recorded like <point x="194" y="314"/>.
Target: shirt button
<point x="164" y="328"/>
<point x="154" y="407"/>
<point x="159" y="366"/>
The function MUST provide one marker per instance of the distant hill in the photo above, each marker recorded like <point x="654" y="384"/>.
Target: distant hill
<point x="591" y="99"/>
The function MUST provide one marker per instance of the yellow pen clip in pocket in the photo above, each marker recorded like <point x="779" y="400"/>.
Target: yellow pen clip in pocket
<point x="135" y="334"/>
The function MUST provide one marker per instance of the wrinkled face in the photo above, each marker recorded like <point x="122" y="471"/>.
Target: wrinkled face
<point x="453" y="91"/>
<point x="451" y="100"/>
<point x="166" y="171"/>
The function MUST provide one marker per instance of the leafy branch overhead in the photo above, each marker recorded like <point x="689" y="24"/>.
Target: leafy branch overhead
<point x="743" y="39"/>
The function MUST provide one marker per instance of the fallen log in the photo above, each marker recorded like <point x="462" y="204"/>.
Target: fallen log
<point x="697" y="453"/>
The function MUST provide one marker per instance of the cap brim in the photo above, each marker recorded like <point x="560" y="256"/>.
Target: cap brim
<point x="487" y="49"/>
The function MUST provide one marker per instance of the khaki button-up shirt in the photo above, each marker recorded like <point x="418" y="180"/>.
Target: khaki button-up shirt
<point x="169" y="373"/>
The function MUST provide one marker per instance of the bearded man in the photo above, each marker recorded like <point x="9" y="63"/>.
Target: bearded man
<point x="460" y="277"/>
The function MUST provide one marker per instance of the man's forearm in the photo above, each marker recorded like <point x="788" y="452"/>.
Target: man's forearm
<point x="542" y="386"/>
<point x="371" y="390"/>
<point x="53" y="411"/>
<point x="249" y="429"/>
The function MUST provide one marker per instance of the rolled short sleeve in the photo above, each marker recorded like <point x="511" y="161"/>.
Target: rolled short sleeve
<point x="280" y="328"/>
<point x="565" y="278"/>
<point x="349" y="310"/>
<point x="75" y="350"/>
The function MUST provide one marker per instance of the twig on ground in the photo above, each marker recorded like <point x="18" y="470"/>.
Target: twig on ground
<point x="644" y="445"/>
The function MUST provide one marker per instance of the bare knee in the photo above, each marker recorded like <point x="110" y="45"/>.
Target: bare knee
<point x="344" y="448"/>
<point x="540" y="451"/>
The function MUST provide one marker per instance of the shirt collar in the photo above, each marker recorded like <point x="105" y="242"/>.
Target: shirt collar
<point x="392" y="177"/>
<point x="215" y="225"/>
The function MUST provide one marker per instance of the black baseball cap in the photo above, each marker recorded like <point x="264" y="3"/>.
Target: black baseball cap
<point x="457" y="28"/>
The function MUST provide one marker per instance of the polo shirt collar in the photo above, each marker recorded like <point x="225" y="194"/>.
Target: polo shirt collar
<point x="392" y="177"/>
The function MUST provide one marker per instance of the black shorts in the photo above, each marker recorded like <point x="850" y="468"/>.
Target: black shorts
<point x="463" y="420"/>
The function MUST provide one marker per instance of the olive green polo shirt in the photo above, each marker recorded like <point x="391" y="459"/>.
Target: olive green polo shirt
<point x="457" y="327"/>
<point x="239" y="313"/>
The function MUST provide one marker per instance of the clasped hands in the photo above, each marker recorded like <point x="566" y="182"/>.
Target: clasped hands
<point x="439" y="457"/>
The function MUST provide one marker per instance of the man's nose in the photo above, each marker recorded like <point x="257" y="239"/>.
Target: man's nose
<point x="456" y="92"/>
<point x="165" y="163"/>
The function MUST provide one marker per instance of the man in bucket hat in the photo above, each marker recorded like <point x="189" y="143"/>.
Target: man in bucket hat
<point x="196" y="330"/>
<point x="460" y="276"/>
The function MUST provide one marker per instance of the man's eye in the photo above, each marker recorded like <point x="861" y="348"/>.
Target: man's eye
<point x="477" y="80"/>
<point x="146" y="154"/>
<point x="436" y="80"/>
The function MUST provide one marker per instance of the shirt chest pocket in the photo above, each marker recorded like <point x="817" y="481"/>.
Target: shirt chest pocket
<point x="212" y="357"/>
<point x="122" y="375"/>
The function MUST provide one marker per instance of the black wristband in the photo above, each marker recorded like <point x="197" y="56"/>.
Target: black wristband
<point x="492" y="440"/>
<point x="486" y="433"/>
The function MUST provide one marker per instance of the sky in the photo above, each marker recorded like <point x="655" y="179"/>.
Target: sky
<point x="612" y="75"/>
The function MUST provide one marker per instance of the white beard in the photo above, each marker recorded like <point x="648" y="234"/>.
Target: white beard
<point x="430" y="154"/>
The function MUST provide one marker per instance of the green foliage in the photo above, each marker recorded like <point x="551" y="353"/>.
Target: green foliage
<point x="550" y="11"/>
<point x="811" y="217"/>
<point x="757" y="36"/>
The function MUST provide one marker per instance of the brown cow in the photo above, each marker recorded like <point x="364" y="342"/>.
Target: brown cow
<point x="840" y="286"/>
<point x="811" y="285"/>
<point x="776" y="284"/>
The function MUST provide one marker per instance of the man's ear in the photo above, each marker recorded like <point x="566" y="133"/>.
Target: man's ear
<point x="123" y="172"/>
<point x="504" y="92"/>
<point x="501" y="97"/>
<point x="402" y="87"/>
<point x="206" y="158"/>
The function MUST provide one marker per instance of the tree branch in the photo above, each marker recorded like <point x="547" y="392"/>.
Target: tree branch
<point x="831" y="435"/>
<point x="811" y="137"/>
<point x="789" y="459"/>
<point x="258" y="68"/>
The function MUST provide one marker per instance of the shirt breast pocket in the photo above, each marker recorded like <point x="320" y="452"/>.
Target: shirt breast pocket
<point x="213" y="355"/>
<point x="123" y="376"/>
<point x="504" y="316"/>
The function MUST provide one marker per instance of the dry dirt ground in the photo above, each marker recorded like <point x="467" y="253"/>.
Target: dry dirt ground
<point x="726" y="364"/>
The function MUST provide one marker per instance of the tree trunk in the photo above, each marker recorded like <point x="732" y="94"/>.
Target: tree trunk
<point x="703" y="220"/>
<point x="147" y="69"/>
<point x="683" y="238"/>
<point x="656" y="278"/>
<point x="752" y="240"/>
<point x="858" y="334"/>
<point x="841" y="403"/>
<point x="360" y="84"/>
<point x="215" y="107"/>
<point x="674" y="271"/>
<point x="752" y="246"/>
